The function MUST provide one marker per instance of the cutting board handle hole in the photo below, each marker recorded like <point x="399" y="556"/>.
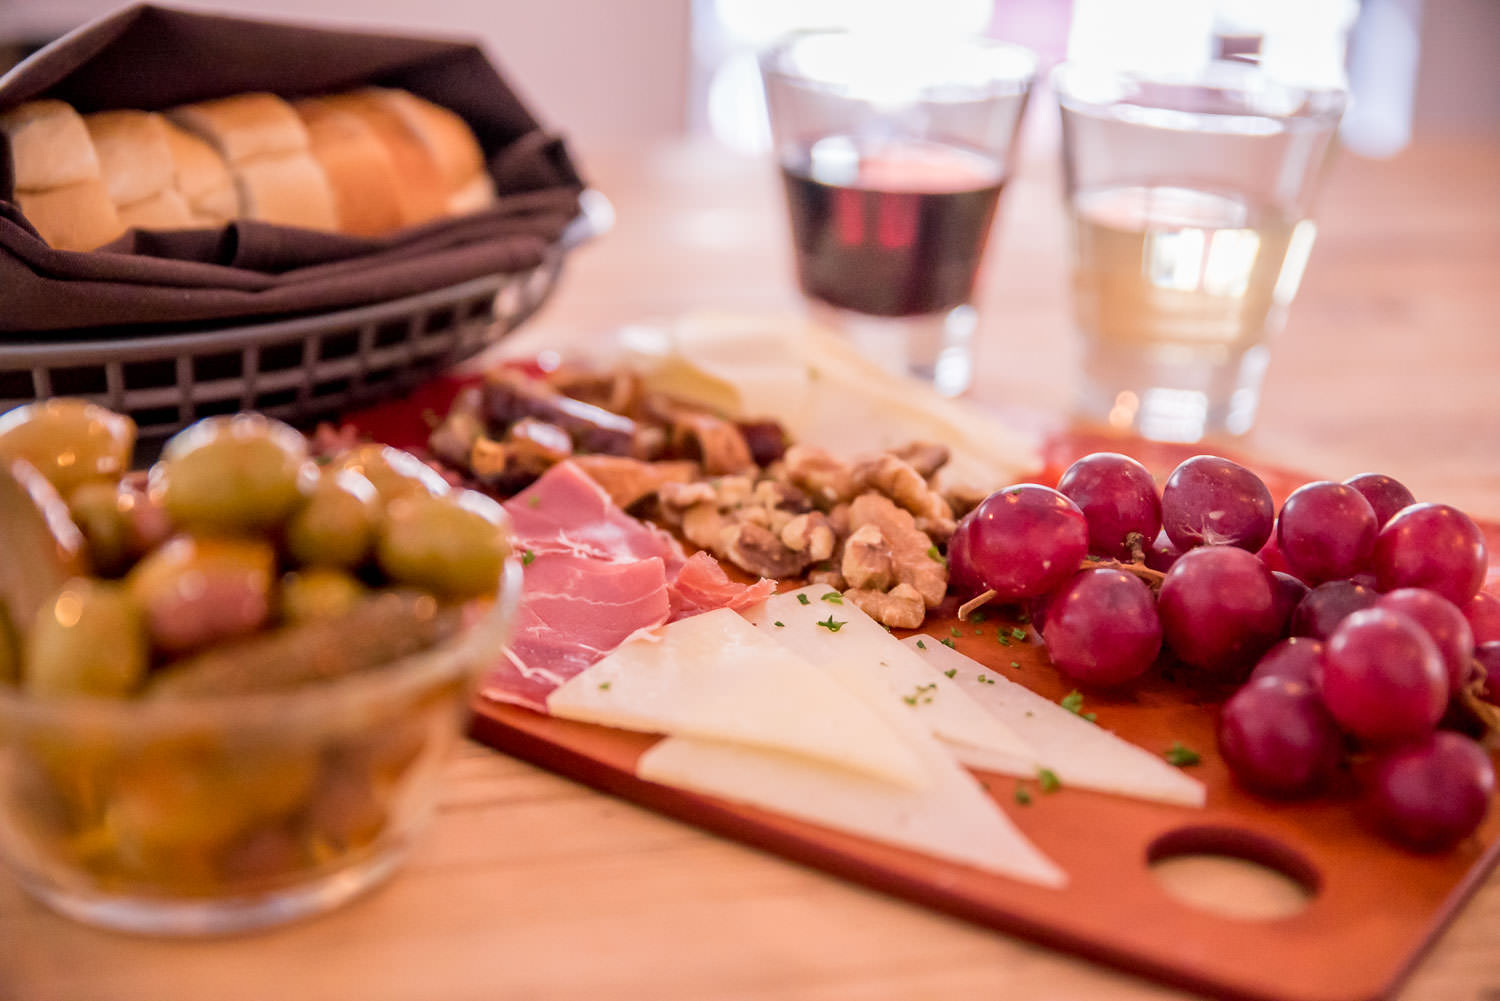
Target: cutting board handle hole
<point x="1272" y="881"/>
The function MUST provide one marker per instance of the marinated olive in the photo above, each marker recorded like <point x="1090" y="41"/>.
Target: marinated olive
<point x="40" y="547"/>
<point x="197" y="591"/>
<point x="335" y="525"/>
<point x="236" y="474"/>
<point x="10" y="649"/>
<point x="393" y="472"/>
<point x="319" y="593"/>
<point x="106" y="526"/>
<point x="442" y="546"/>
<point x="89" y="640"/>
<point x="69" y="441"/>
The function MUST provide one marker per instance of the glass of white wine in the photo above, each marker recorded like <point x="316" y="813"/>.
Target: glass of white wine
<point x="1188" y="202"/>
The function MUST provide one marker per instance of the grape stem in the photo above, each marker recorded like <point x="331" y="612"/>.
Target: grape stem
<point x="1487" y="713"/>
<point x="978" y="601"/>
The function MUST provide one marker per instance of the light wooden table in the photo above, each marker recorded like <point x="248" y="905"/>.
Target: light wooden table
<point x="530" y="887"/>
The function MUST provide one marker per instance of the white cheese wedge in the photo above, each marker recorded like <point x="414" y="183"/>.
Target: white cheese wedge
<point x="1081" y="754"/>
<point x="715" y="676"/>
<point x="802" y="621"/>
<point x="951" y="817"/>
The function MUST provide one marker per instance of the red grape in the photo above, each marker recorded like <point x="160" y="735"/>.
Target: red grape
<point x="1383" y="679"/>
<point x="1118" y="497"/>
<point x="1487" y="656"/>
<point x="1296" y="658"/>
<point x="1289" y="593"/>
<point x="1210" y="500"/>
<point x="1432" y="795"/>
<point x="1386" y="495"/>
<point x="1270" y="555"/>
<point x="1326" y="531"/>
<point x="1161" y="554"/>
<point x="1101" y="627"/>
<point x="1483" y="613"/>
<point x="961" y="575"/>
<point x="1433" y="546"/>
<point x="1277" y="738"/>
<point x="1328" y="604"/>
<point x="1218" y="608"/>
<point x="1023" y="541"/>
<point x="1445" y="625"/>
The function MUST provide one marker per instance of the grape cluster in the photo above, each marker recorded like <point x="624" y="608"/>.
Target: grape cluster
<point x="1349" y="624"/>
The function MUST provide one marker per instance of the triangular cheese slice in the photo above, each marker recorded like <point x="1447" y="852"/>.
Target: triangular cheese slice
<point x="715" y="676"/>
<point x="824" y="631"/>
<point x="1080" y="753"/>
<point x="951" y="817"/>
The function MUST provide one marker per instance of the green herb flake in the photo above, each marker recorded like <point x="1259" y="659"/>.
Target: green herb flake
<point x="935" y="556"/>
<point x="921" y="694"/>
<point x="1018" y="633"/>
<point x="954" y="631"/>
<point x="1181" y="755"/>
<point x="949" y="644"/>
<point x="1022" y="796"/>
<point x="830" y="625"/>
<point x="952" y="672"/>
<point x="779" y="624"/>
<point x="527" y="556"/>
<point x="1048" y="780"/>
<point x="921" y="645"/>
<point x="1016" y="664"/>
<point x="1072" y="702"/>
<point x="833" y="598"/>
<point x="1024" y="619"/>
<point x="803" y="599"/>
<point x="603" y="686"/>
<point x="535" y="500"/>
<point x="977" y="615"/>
<point x="1003" y="637"/>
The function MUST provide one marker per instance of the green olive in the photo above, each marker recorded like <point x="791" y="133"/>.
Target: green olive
<point x="69" y="441"/>
<point x="10" y="649"/>
<point x="319" y="593"/>
<point x="335" y="525"/>
<point x="393" y="472"/>
<point x="236" y="474"/>
<point x="106" y="526"/>
<point x="198" y="591"/>
<point x="89" y="640"/>
<point x="443" y="546"/>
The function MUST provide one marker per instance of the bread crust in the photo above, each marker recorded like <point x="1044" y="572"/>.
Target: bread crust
<point x="74" y="216"/>
<point x="49" y="146"/>
<point x="134" y="158"/>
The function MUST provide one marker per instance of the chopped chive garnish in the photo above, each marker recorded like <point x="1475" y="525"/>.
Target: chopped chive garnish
<point x="833" y="597"/>
<point x="1022" y="796"/>
<point x="526" y="557"/>
<point x="951" y="672"/>
<point x="921" y="645"/>
<point x="1181" y="755"/>
<point x="830" y="625"/>
<point x="779" y="624"/>
<point x="949" y="644"/>
<point x="802" y="599"/>
<point x="1048" y="780"/>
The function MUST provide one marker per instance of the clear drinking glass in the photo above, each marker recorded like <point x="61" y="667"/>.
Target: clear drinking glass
<point x="893" y="150"/>
<point x="1188" y="205"/>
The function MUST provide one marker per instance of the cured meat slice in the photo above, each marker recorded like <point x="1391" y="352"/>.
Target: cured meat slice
<point x="702" y="585"/>
<point x="574" y="610"/>
<point x="565" y="511"/>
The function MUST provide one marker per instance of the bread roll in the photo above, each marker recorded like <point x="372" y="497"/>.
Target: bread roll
<point x="447" y="137"/>
<point x="478" y="194"/>
<point x="366" y="188"/>
<point x="134" y="158"/>
<point x="244" y="126"/>
<point x="289" y="190"/>
<point x="49" y="146"/>
<point x="72" y="217"/>
<point x="163" y="210"/>
<point x="201" y="177"/>
<point x="420" y="188"/>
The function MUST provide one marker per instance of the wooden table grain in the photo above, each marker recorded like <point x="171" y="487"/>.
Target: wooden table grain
<point x="527" y="886"/>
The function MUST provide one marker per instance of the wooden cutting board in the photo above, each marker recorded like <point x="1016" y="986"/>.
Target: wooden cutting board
<point x="1373" y="908"/>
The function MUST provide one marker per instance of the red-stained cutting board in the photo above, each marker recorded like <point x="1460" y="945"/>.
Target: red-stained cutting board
<point x="1374" y="907"/>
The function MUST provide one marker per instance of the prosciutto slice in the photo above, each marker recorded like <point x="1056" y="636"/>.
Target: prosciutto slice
<point x="565" y="511"/>
<point x="574" y="610"/>
<point x="596" y="576"/>
<point x="702" y="585"/>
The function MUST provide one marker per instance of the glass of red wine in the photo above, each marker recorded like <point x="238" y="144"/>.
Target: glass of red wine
<point x="893" y="150"/>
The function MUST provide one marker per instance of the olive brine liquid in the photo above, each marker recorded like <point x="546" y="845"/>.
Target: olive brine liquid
<point x="894" y="230"/>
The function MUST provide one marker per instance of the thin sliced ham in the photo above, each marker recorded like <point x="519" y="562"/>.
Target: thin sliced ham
<point x="574" y="610"/>
<point x="565" y="511"/>
<point x="702" y="585"/>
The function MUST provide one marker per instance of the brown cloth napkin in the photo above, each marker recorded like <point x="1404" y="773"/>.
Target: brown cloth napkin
<point x="151" y="57"/>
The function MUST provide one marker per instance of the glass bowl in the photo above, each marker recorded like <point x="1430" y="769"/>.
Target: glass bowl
<point x="212" y="815"/>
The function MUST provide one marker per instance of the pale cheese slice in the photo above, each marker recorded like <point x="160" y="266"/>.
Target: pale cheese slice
<point x="951" y="817"/>
<point x="715" y="676"/>
<point x="1080" y="753"/>
<point x="801" y="620"/>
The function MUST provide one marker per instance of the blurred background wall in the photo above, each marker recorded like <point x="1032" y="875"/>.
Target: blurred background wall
<point x="616" y="70"/>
